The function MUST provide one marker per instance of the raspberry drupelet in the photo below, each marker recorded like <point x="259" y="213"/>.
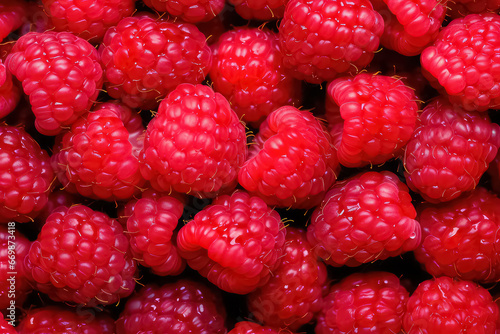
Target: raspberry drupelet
<point x="247" y="327"/>
<point x="191" y="11"/>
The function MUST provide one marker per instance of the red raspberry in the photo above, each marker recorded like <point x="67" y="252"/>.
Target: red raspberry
<point x="464" y="61"/>
<point x="10" y="92"/>
<point x="247" y="69"/>
<point x="263" y="10"/>
<point x="26" y="175"/>
<point x="88" y="19"/>
<point x="443" y="305"/>
<point x="188" y="10"/>
<point x="365" y="218"/>
<point x="61" y="75"/>
<point x="293" y="162"/>
<point x="372" y="302"/>
<point x="82" y="256"/>
<point x="461" y="8"/>
<point x="195" y="144"/>
<point x="162" y="55"/>
<point x="59" y="320"/>
<point x="6" y="326"/>
<point x="410" y="25"/>
<point x="127" y="209"/>
<point x="293" y="294"/>
<point x="99" y="155"/>
<point x="184" y="306"/>
<point x="56" y="199"/>
<point x="12" y="15"/>
<point x="246" y="327"/>
<point x="236" y="242"/>
<point x="449" y="151"/>
<point x="460" y="238"/>
<point x="321" y="39"/>
<point x="371" y="118"/>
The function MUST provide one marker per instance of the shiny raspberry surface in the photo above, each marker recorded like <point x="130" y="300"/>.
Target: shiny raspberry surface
<point x="6" y="327"/>
<point x="247" y="327"/>
<point x="188" y="10"/>
<point x="12" y="14"/>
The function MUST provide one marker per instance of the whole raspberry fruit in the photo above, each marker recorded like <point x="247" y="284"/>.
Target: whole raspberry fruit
<point x="6" y="326"/>
<point x="371" y="118"/>
<point x="186" y="306"/>
<point x="263" y="10"/>
<point x="236" y="242"/>
<point x="449" y="151"/>
<point x="195" y="144"/>
<point x="322" y="38"/>
<point x="372" y="302"/>
<point x="188" y="10"/>
<point x="464" y="61"/>
<point x="248" y="70"/>
<point x="12" y="15"/>
<point x="87" y="19"/>
<point x="26" y="175"/>
<point x="162" y="55"/>
<point x="82" y="256"/>
<point x="99" y="156"/>
<point x="293" y="295"/>
<point x="293" y="162"/>
<point x="246" y="327"/>
<point x="444" y="305"/>
<point x="365" y="218"/>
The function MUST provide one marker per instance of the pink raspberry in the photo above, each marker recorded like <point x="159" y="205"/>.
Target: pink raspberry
<point x="163" y="55"/>
<point x="464" y="61"/>
<point x="371" y="118"/>
<point x="247" y="69"/>
<point x="99" y="156"/>
<point x="236" y="242"/>
<point x="365" y="218"/>
<point x="6" y="326"/>
<point x="444" y="305"/>
<point x="293" y="295"/>
<point x="246" y="327"/>
<point x="82" y="256"/>
<point x="184" y="306"/>
<point x="321" y="39"/>
<point x="293" y="162"/>
<point x="372" y="302"/>
<point x="25" y="173"/>
<point x="449" y="151"/>
<point x="12" y="15"/>
<point x="61" y="75"/>
<point x="188" y="10"/>
<point x="195" y="144"/>
<point x="263" y="10"/>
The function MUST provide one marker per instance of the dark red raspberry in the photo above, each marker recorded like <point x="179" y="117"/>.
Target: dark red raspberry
<point x="87" y="19"/>
<point x="449" y="151"/>
<point x="236" y="242"/>
<point x="26" y="175"/>
<point x="461" y="8"/>
<point x="246" y="327"/>
<point x="293" y="295"/>
<point x="6" y="326"/>
<point x="248" y="70"/>
<point x="293" y="162"/>
<point x="59" y="320"/>
<point x="371" y="118"/>
<point x="444" y="305"/>
<point x="99" y="156"/>
<point x="464" y="61"/>
<point x="365" y="218"/>
<point x="372" y="302"/>
<point x="61" y="74"/>
<point x="145" y="58"/>
<point x="82" y="256"/>
<point x="12" y="15"/>
<point x="184" y="306"/>
<point x="195" y="144"/>
<point x="321" y="39"/>
<point x="264" y="10"/>
<point x="188" y="10"/>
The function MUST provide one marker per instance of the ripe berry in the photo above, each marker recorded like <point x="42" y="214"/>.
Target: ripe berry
<point x="263" y="10"/>
<point x="12" y="15"/>
<point x="188" y="10"/>
<point x="10" y="93"/>
<point x="6" y="327"/>
<point x="461" y="8"/>
<point x="246" y="327"/>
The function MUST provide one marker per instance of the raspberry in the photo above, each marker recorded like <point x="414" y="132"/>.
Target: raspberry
<point x="184" y="306"/>
<point x="87" y="19"/>
<point x="195" y="144"/>
<point x="99" y="155"/>
<point x="10" y="92"/>
<point x="188" y="10"/>
<point x="26" y="176"/>
<point x="236" y="242"/>
<point x="6" y="327"/>
<point x="410" y="25"/>
<point x="162" y="55"/>
<point x="464" y="61"/>
<point x="61" y="74"/>
<point x="246" y="327"/>
<point x="82" y="256"/>
<point x="263" y="10"/>
<point x="12" y="15"/>
<point x="247" y="69"/>
<point x="56" y="199"/>
<point x="293" y="162"/>
<point x="449" y="151"/>
<point x="371" y="118"/>
<point x="59" y="320"/>
<point x="365" y="218"/>
<point x="293" y="294"/>
<point x="322" y="38"/>
<point x="372" y="302"/>
<point x="443" y="305"/>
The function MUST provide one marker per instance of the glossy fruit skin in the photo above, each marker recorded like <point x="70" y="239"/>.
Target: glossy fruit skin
<point x="188" y="11"/>
<point x="12" y="15"/>
<point x="444" y="305"/>
<point x="6" y="327"/>
<point x="247" y="327"/>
